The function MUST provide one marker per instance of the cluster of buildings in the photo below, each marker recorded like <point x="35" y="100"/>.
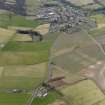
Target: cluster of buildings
<point x="64" y="17"/>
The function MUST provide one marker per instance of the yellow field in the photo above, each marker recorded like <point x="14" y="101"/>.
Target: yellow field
<point x="84" y="93"/>
<point x="20" y="37"/>
<point x="38" y="70"/>
<point x="5" y="35"/>
<point x="22" y="76"/>
<point x="99" y="26"/>
<point x="43" y="29"/>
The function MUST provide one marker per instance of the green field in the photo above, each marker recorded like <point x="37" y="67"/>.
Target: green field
<point x="16" y="20"/>
<point x="27" y="46"/>
<point x="97" y="32"/>
<point x="13" y="99"/>
<point x="21" y="62"/>
<point x="22" y="58"/>
<point x="21" y="99"/>
<point x="100" y="18"/>
<point x="25" y="53"/>
<point x="22" y="76"/>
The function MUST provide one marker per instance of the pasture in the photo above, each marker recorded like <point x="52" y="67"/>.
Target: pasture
<point x="22" y="76"/>
<point x="27" y="46"/>
<point x="21" y="53"/>
<point x="83" y="93"/>
<point x="22" y="38"/>
<point x="13" y="99"/>
<point x="7" y="19"/>
<point x="100" y="20"/>
<point x="23" y="58"/>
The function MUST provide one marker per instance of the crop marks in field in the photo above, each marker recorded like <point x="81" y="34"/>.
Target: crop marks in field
<point x="24" y="76"/>
<point x="84" y="93"/>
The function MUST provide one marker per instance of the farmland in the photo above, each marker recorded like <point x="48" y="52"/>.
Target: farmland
<point x="100" y="20"/>
<point x="90" y="94"/>
<point x="16" y="20"/>
<point x="24" y="64"/>
<point x="13" y="99"/>
<point x="23" y="76"/>
<point x="82" y="53"/>
<point x="72" y="54"/>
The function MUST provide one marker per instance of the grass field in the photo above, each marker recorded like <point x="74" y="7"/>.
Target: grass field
<point x="84" y="93"/>
<point x="27" y="46"/>
<point x="13" y="99"/>
<point x="22" y="38"/>
<point x="16" y="20"/>
<point x="22" y="58"/>
<point x="22" y="76"/>
<point x="97" y="32"/>
<point x="21" y="99"/>
<point x="100" y="20"/>
<point x="22" y="64"/>
<point x="15" y="53"/>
